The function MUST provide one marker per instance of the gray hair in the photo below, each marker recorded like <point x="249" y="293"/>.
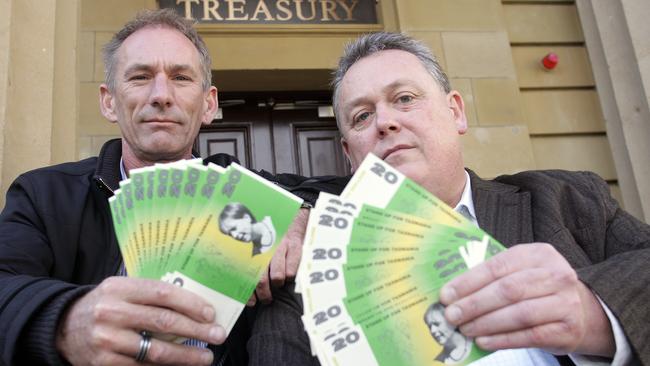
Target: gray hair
<point x="371" y="43"/>
<point x="156" y="18"/>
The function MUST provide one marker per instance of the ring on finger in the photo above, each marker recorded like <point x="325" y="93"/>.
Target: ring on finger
<point x="145" y="344"/>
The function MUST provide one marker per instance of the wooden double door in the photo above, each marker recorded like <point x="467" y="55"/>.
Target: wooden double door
<point x="276" y="137"/>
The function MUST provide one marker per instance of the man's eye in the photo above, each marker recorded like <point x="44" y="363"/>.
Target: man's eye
<point x="182" y="78"/>
<point x="362" y="117"/>
<point x="405" y="98"/>
<point x="138" y="77"/>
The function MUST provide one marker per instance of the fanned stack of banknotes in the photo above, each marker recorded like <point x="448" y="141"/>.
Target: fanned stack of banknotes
<point x="205" y="228"/>
<point x="374" y="260"/>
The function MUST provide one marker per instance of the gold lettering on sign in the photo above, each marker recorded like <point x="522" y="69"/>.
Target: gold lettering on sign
<point x="274" y="10"/>
<point x="348" y="9"/>
<point x="188" y="7"/>
<point x="262" y="8"/>
<point x="328" y="7"/>
<point x="239" y="9"/>
<point x="282" y="9"/>
<point x="210" y="9"/>
<point x="299" y="12"/>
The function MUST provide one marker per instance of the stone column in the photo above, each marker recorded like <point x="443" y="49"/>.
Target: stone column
<point x="38" y="85"/>
<point x="619" y="49"/>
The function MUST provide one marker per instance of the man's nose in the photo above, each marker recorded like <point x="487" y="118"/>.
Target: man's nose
<point x="386" y="121"/>
<point x="161" y="92"/>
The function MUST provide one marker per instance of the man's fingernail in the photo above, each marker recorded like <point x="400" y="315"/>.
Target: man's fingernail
<point x="208" y="313"/>
<point x="217" y="334"/>
<point x="207" y="357"/>
<point x="453" y="314"/>
<point x="251" y="301"/>
<point x="484" y="342"/>
<point x="448" y="295"/>
<point x="466" y="329"/>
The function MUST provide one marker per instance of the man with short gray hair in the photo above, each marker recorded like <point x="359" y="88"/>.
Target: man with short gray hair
<point x="63" y="293"/>
<point x="574" y="279"/>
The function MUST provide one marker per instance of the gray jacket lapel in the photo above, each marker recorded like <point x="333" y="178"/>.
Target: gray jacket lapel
<point x="502" y="210"/>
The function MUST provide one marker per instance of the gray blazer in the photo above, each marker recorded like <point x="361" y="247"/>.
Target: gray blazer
<point x="575" y="212"/>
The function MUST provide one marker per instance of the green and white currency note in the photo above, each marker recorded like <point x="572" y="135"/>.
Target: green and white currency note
<point x="375" y="299"/>
<point x="141" y="208"/>
<point x="327" y="229"/>
<point x="378" y="184"/>
<point x="121" y="226"/>
<point x="218" y="257"/>
<point x="210" y="230"/>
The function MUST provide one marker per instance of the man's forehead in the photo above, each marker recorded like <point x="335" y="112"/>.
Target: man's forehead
<point x="393" y="61"/>
<point x="383" y="72"/>
<point x="384" y="67"/>
<point x="372" y="74"/>
<point x="158" y="43"/>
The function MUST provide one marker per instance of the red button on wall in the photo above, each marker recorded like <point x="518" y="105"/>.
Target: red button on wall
<point x="550" y="61"/>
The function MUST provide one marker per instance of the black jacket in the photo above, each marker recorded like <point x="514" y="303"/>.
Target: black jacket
<point x="57" y="242"/>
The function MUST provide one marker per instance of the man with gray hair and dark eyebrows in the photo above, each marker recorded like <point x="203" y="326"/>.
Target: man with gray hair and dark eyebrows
<point x="574" y="279"/>
<point x="64" y="296"/>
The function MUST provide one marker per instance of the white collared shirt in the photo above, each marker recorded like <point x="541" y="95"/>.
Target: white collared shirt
<point x="536" y="356"/>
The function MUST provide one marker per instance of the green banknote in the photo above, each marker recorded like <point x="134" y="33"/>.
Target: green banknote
<point x="121" y="226"/>
<point x="326" y="233"/>
<point x="378" y="184"/>
<point x="132" y="240"/>
<point x="370" y="284"/>
<point x="363" y="244"/>
<point x="210" y="230"/>
<point x="400" y="332"/>
<point x="141" y="209"/>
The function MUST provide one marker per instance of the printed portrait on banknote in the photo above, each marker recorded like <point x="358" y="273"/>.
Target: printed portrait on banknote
<point x="237" y="221"/>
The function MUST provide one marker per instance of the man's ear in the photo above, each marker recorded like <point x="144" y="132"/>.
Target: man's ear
<point x="211" y="106"/>
<point x="457" y="108"/>
<point x="346" y="148"/>
<point x="346" y="152"/>
<point x="107" y="103"/>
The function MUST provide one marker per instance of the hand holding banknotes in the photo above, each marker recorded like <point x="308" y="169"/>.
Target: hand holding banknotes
<point x="285" y="261"/>
<point x="102" y="327"/>
<point x="528" y="296"/>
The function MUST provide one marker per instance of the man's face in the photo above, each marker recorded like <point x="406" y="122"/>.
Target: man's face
<point x="240" y="229"/>
<point x="440" y="329"/>
<point x="391" y="106"/>
<point x="158" y="102"/>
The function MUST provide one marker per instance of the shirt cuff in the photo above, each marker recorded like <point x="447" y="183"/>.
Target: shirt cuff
<point x="623" y="355"/>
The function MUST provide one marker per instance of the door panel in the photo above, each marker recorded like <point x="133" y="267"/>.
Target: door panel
<point x="224" y="140"/>
<point x="307" y="145"/>
<point x="319" y="152"/>
<point x="279" y="141"/>
<point x="251" y="126"/>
